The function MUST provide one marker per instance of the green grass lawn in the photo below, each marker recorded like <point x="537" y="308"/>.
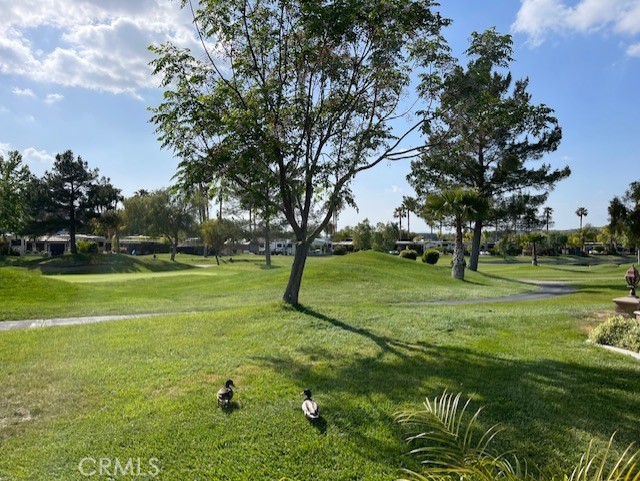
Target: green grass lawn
<point x="367" y="341"/>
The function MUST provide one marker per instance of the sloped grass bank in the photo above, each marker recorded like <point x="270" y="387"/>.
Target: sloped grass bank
<point x="349" y="280"/>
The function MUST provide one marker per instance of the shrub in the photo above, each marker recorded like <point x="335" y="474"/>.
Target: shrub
<point x="618" y="331"/>
<point x="87" y="247"/>
<point x="431" y="256"/>
<point x="339" y="250"/>
<point x="409" y="254"/>
<point x="5" y="247"/>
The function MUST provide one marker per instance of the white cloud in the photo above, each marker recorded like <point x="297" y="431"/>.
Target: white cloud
<point x="536" y="17"/>
<point x="37" y="160"/>
<point x="539" y="18"/>
<point x="634" y="50"/>
<point x="90" y="44"/>
<point x="23" y="92"/>
<point x="53" y="98"/>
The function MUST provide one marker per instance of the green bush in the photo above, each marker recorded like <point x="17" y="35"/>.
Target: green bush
<point x="409" y="254"/>
<point x="87" y="247"/>
<point x="5" y="247"/>
<point x="339" y="250"/>
<point x="618" y="331"/>
<point x="431" y="256"/>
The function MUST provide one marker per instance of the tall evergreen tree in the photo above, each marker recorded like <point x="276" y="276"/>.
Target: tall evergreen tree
<point x="489" y="131"/>
<point x="70" y="186"/>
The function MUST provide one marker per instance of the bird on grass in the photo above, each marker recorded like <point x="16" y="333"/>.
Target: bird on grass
<point x="310" y="407"/>
<point x="225" y="393"/>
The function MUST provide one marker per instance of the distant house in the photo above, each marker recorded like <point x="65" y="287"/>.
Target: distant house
<point x="56" y="244"/>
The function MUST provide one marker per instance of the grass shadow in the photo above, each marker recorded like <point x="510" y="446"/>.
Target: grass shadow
<point x="534" y="399"/>
<point x="102" y="264"/>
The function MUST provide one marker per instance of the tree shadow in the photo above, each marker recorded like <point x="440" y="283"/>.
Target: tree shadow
<point x="546" y="405"/>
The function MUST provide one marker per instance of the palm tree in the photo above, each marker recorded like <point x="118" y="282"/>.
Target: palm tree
<point x="460" y="205"/>
<point x="409" y="204"/>
<point x="547" y="212"/>
<point x="535" y="238"/>
<point x="582" y="212"/>
<point x="398" y="214"/>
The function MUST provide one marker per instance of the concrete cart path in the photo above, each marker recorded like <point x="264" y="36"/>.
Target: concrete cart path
<point x="67" y="321"/>
<point x="547" y="290"/>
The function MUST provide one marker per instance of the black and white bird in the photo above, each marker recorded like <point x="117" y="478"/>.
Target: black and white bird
<point x="310" y="407"/>
<point x="226" y="393"/>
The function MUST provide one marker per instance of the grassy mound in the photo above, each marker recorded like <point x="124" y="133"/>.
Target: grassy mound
<point x="104" y="264"/>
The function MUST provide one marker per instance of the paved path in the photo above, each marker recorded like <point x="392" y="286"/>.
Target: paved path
<point x="67" y="321"/>
<point x="546" y="291"/>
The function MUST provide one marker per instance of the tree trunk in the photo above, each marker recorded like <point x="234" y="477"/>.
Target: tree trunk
<point x="72" y="231"/>
<point x="172" y="249"/>
<point x="475" y="246"/>
<point x="457" y="268"/>
<point x="295" y="278"/>
<point x="267" y="243"/>
<point x="534" y="254"/>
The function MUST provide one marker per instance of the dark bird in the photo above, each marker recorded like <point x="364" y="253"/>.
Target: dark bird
<point x="226" y="393"/>
<point x="310" y="407"/>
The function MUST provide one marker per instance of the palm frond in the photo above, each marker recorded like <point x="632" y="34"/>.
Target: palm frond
<point x="449" y="443"/>
<point x="593" y="466"/>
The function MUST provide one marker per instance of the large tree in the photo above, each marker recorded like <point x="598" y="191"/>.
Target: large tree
<point x="160" y="213"/>
<point x="216" y="233"/>
<point x="300" y="95"/>
<point x="489" y="131"/>
<point x="617" y="221"/>
<point x="15" y="179"/>
<point x="71" y="186"/>
<point x="632" y="198"/>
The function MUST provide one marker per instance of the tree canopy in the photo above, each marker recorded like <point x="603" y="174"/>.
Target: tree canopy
<point x="15" y="179"/>
<point x="488" y="132"/>
<point x="160" y="213"/>
<point x="296" y="100"/>
<point x="71" y="195"/>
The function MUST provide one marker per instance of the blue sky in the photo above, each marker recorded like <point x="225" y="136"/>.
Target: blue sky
<point x="74" y="75"/>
